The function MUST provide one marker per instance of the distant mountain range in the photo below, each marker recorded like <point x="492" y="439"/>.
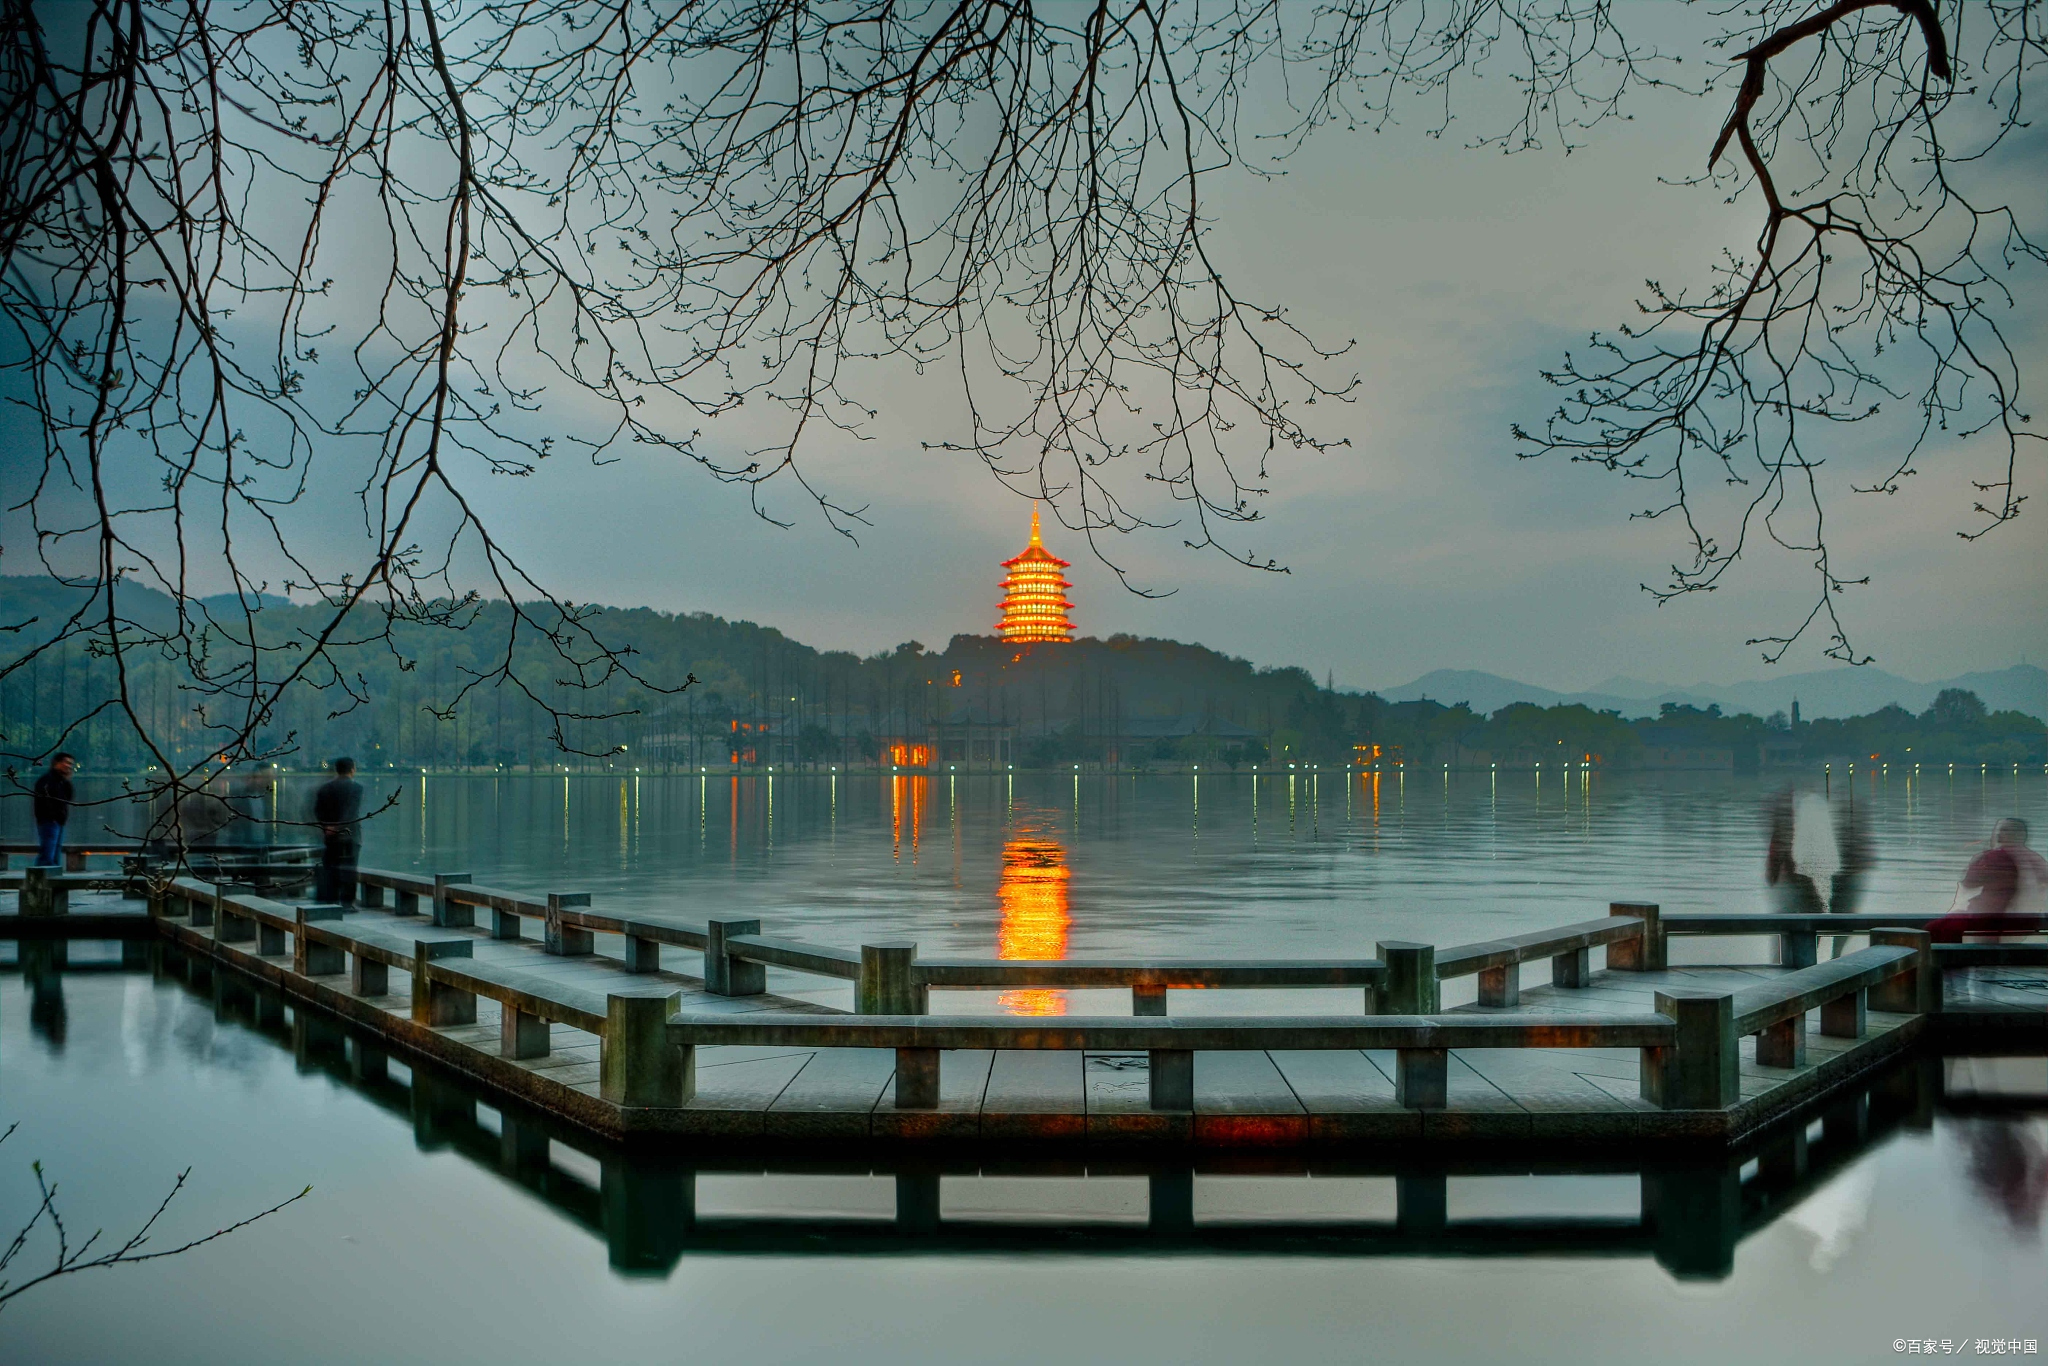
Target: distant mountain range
<point x="1827" y="692"/>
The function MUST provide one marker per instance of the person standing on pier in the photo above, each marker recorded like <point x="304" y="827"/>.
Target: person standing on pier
<point x="53" y="810"/>
<point x="338" y="809"/>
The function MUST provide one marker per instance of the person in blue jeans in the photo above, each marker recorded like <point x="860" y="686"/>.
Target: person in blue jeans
<point x="53" y="810"/>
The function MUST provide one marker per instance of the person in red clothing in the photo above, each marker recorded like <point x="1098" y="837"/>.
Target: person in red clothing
<point x="2009" y="879"/>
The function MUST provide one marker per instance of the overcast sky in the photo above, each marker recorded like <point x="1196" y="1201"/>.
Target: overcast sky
<point x="1424" y="543"/>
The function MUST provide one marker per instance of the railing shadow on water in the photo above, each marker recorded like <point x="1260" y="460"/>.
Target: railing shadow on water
<point x="1694" y="1210"/>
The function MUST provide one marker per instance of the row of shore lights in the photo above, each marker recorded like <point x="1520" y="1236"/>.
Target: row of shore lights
<point x="1317" y="768"/>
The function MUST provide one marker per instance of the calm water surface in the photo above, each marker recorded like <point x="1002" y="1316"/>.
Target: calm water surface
<point x="413" y="1246"/>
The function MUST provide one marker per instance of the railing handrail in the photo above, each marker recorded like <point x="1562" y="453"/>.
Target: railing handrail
<point x="795" y="953"/>
<point x="1462" y="960"/>
<point x="1767" y="922"/>
<point x="1074" y="1033"/>
<point x="1186" y="973"/>
<point x="1795" y="993"/>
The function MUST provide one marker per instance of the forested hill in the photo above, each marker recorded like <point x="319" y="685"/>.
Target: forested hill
<point x="1063" y="702"/>
<point x="745" y="673"/>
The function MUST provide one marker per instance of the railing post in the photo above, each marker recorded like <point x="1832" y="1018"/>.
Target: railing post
<point x="1150" y="1001"/>
<point x="504" y="924"/>
<point x="316" y="960"/>
<point x="1411" y="986"/>
<point x="725" y="975"/>
<point x="38" y="897"/>
<point x="888" y="983"/>
<point x="642" y="954"/>
<point x="1917" y="990"/>
<point x="917" y="1078"/>
<point x="447" y="914"/>
<point x="562" y="938"/>
<point x="1798" y="948"/>
<point x="1844" y="1017"/>
<point x="1422" y="1078"/>
<point x="269" y="939"/>
<point x="369" y="894"/>
<point x="74" y="860"/>
<point x="404" y="902"/>
<point x="1172" y="1076"/>
<point x="368" y="976"/>
<point x="1572" y="969"/>
<point x="436" y="1003"/>
<point x="1501" y="986"/>
<point x="233" y="927"/>
<point x="521" y="1035"/>
<point x="1700" y="1070"/>
<point x="1643" y="954"/>
<point x="201" y="908"/>
<point x="637" y="1065"/>
<point x="1782" y="1044"/>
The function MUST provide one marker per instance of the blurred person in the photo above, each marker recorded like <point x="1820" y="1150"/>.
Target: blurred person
<point x="53" y="794"/>
<point x="338" y="810"/>
<point x="1857" y="852"/>
<point x="2009" y="1167"/>
<point x="203" y="813"/>
<point x="1795" y="890"/>
<point x="1811" y="849"/>
<point x="2009" y="880"/>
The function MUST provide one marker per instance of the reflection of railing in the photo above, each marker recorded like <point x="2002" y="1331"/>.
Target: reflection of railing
<point x="1694" y="1211"/>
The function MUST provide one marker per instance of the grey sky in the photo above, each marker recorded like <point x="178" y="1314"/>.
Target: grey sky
<point x="1422" y="545"/>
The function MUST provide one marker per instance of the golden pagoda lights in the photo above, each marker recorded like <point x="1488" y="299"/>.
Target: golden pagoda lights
<point x="1035" y="602"/>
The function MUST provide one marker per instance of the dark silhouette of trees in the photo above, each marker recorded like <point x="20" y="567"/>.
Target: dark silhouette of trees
<point x="1955" y="709"/>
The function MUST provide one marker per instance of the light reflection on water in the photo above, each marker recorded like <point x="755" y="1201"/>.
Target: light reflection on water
<point x="1035" y="917"/>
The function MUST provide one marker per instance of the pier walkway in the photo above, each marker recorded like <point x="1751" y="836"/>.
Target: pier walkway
<point x="569" y="1009"/>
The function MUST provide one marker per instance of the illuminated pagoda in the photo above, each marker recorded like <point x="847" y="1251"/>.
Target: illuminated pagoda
<point x="1035" y="602"/>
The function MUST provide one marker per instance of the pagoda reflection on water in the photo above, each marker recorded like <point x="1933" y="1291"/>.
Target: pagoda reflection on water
<point x="1032" y="898"/>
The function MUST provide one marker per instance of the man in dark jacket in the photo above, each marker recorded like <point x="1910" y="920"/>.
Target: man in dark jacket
<point x="53" y="810"/>
<point x="338" y="809"/>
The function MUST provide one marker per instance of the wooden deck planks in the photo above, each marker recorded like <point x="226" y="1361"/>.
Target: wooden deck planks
<point x="1033" y="1094"/>
<point x="833" y="1094"/>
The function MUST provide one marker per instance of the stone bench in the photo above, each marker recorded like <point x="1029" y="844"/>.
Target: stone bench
<point x="1569" y="948"/>
<point x="1150" y="979"/>
<point x="1420" y="1044"/>
<point x="45" y="891"/>
<point x="567" y="920"/>
<point x="1775" y="1011"/>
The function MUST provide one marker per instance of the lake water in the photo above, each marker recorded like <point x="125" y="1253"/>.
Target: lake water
<point x="423" y="1240"/>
